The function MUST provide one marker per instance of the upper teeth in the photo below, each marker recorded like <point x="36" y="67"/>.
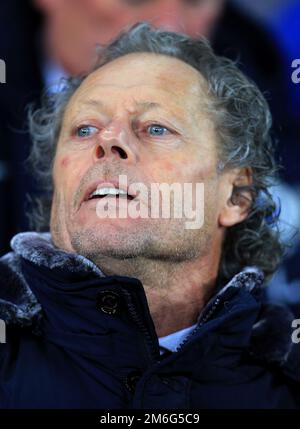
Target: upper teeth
<point x="108" y="191"/>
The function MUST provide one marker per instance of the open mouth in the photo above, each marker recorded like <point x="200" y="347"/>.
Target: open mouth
<point x="110" y="192"/>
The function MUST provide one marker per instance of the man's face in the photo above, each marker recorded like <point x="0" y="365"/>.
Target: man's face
<point x="142" y="116"/>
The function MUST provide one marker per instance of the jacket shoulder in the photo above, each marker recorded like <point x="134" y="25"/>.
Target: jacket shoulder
<point x="18" y="305"/>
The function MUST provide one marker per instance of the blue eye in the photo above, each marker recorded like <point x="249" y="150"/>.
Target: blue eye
<point x="86" y="131"/>
<point x="157" y="130"/>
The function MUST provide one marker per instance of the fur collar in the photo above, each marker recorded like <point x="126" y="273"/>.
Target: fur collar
<point x="271" y="335"/>
<point x="39" y="249"/>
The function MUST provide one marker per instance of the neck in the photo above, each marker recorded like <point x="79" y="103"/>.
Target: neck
<point x="176" y="292"/>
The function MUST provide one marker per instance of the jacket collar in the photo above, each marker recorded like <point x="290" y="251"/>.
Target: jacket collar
<point x="38" y="249"/>
<point x="270" y="332"/>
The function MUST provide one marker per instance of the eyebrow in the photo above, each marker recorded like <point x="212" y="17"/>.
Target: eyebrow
<point x="143" y="106"/>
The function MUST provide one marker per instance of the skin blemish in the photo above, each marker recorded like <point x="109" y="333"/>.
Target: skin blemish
<point x="168" y="166"/>
<point x="65" y="161"/>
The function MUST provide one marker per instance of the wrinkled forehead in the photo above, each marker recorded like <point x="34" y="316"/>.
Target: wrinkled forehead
<point x="148" y="78"/>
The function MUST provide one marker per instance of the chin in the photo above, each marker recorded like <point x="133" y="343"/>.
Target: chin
<point x="108" y="240"/>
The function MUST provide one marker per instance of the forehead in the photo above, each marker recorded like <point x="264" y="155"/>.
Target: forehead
<point x="146" y="78"/>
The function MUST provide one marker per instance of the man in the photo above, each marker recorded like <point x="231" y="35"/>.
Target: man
<point x="136" y="310"/>
<point x="61" y="41"/>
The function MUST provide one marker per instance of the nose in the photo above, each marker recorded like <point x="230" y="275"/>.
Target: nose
<point x="115" y="144"/>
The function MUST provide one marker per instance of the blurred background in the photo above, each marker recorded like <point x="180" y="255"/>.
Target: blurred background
<point x="44" y="40"/>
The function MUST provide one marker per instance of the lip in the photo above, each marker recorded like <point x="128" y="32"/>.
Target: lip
<point x="103" y="184"/>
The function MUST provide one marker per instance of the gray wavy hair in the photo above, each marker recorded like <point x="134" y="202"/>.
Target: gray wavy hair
<point x="243" y="122"/>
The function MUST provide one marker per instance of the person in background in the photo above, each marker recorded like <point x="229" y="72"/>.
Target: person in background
<point x="72" y="28"/>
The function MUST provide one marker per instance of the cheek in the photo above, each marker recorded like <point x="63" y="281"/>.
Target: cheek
<point x="169" y="167"/>
<point x="182" y="168"/>
<point x="64" y="162"/>
<point x="66" y="172"/>
<point x="60" y="169"/>
<point x="162" y="171"/>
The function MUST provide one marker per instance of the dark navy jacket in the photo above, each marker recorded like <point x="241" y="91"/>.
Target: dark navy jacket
<point x="78" y="339"/>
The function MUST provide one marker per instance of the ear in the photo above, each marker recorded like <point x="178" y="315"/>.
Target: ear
<point x="236" y="198"/>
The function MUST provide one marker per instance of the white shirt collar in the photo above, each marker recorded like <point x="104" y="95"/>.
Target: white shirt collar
<point x="172" y="341"/>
